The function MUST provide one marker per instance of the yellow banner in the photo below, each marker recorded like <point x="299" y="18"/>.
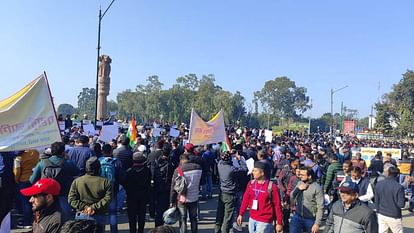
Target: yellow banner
<point x="202" y="133"/>
<point x="28" y="119"/>
<point x="368" y="153"/>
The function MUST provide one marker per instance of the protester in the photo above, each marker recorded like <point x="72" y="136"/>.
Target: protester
<point x="358" y="162"/>
<point x="80" y="153"/>
<point x="208" y="159"/>
<point x="91" y="194"/>
<point x="192" y="173"/>
<point x="262" y="197"/>
<point x="308" y="196"/>
<point x="366" y="192"/>
<point x="7" y="183"/>
<point x="43" y="197"/>
<point x="349" y="215"/>
<point x="333" y="169"/>
<point x="111" y="168"/>
<point x="24" y="163"/>
<point x="60" y="169"/>
<point x="228" y="187"/>
<point x="389" y="199"/>
<point x="137" y="186"/>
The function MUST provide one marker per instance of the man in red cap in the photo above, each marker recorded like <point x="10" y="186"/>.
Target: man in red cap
<point x="43" y="197"/>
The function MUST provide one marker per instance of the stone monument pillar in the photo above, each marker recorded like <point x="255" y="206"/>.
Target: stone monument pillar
<point x="103" y="86"/>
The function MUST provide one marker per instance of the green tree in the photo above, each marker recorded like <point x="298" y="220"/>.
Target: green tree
<point x="86" y="102"/>
<point x="382" y="118"/>
<point x="66" y="109"/>
<point x="282" y="98"/>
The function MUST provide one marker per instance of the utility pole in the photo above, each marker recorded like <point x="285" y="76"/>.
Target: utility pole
<point x="332" y="116"/>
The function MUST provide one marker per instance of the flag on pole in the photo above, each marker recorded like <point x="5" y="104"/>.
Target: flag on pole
<point x="132" y="132"/>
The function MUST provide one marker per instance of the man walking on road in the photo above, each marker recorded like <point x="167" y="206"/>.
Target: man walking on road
<point x="263" y="199"/>
<point x="228" y="185"/>
<point x="308" y="196"/>
<point x="389" y="199"/>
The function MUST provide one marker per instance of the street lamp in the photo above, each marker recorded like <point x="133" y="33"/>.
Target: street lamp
<point x="100" y="17"/>
<point x="332" y="117"/>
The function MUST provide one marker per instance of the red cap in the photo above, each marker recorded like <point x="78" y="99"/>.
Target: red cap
<point x="189" y="147"/>
<point x="45" y="185"/>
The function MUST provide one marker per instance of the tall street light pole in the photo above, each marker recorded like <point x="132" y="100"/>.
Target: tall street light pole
<point x="100" y="17"/>
<point x="332" y="117"/>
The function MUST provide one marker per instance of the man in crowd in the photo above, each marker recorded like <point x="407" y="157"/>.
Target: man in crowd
<point x="365" y="193"/>
<point x="333" y="169"/>
<point x="111" y="168"/>
<point x="308" y="196"/>
<point x="23" y="169"/>
<point x="137" y="186"/>
<point x="389" y="199"/>
<point x="80" y="153"/>
<point x="349" y="215"/>
<point x="91" y="194"/>
<point x="192" y="173"/>
<point x="7" y="184"/>
<point x="43" y="197"/>
<point x="263" y="199"/>
<point x="228" y="188"/>
<point x="60" y="169"/>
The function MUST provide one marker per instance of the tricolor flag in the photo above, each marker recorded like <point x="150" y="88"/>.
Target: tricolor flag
<point x="132" y="132"/>
<point x="226" y="145"/>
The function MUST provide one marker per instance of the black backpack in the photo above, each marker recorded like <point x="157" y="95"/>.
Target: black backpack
<point x="160" y="171"/>
<point x="52" y="170"/>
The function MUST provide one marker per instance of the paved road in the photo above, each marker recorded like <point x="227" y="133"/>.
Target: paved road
<point x="208" y="215"/>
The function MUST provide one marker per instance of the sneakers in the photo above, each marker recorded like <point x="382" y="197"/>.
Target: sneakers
<point x="237" y="228"/>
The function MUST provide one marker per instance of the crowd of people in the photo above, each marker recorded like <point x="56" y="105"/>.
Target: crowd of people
<point x="293" y="183"/>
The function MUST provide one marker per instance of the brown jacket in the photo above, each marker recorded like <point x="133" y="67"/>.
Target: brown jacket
<point x="24" y="164"/>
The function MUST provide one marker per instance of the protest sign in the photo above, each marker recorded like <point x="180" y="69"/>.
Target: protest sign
<point x="108" y="133"/>
<point x="174" y="132"/>
<point x="368" y="153"/>
<point x="89" y="130"/>
<point x="209" y="132"/>
<point x="27" y="118"/>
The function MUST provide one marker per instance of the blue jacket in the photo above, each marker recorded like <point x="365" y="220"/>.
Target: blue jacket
<point x="69" y="172"/>
<point x="389" y="197"/>
<point x="79" y="155"/>
<point x="6" y="167"/>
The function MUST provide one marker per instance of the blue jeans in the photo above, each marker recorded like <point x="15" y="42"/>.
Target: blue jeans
<point x="260" y="227"/>
<point x="66" y="209"/>
<point x="191" y="208"/>
<point x="206" y="191"/>
<point x="113" y="221"/>
<point x="23" y="204"/>
<point x="100" y="219"/>
<point x="121" y="197"/>
<point x="297" y="223"/>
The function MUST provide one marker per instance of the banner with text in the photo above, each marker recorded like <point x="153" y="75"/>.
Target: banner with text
<point x="368" y="153"/>
<point x="202" y="133"/>
<point x="28" y="119"/>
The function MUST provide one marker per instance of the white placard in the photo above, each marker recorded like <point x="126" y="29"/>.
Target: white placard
<point x="156" y="132"/>
<point x="99" y="123"/>
<point x="250" y="165"/>
<point x="86" y="122"/>
<point x="62" y="125"/>
<point x="108" y="133"/>
<point x="239" y="131"/>
<point x="268" y="135"/>
<point x="89" y="130"/>
<point x="174" y="132"/>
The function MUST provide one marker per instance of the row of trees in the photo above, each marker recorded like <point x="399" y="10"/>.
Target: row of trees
<point x="279" y="98"/>
<point x="395" y="113"/>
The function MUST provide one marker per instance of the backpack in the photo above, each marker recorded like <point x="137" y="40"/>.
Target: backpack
<point x="52" y="170"/>
<point x="180" y="184"/>
<point x="108" y="168"/>
<point x="159" y="172"/>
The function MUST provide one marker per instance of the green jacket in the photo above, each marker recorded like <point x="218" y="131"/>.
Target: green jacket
<point x="93" y="191"/>
<point x="331" y="175"/>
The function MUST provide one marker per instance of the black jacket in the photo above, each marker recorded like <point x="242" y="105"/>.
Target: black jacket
<point x="389" y="197"/>
<point x="124" y="154"/>
<point x="138" y="180"/>
<point x="48" y="220"/>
